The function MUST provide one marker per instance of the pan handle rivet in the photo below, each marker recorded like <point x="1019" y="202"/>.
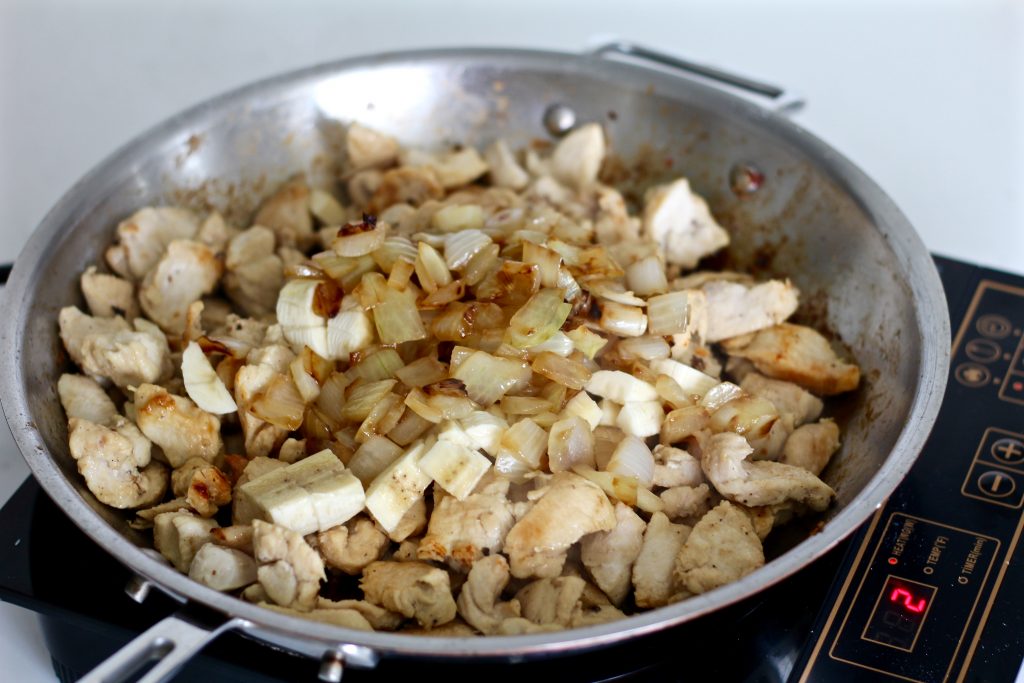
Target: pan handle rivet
<point x="332" y="666"/>
<point x="559" y="119"/>
<point x="138" y="588"/>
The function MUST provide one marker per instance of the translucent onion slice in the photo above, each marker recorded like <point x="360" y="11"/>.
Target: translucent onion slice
<point x="203" y="385"/>
<point x="373" y="457"/>
<point x="363" y="398"/>
<point x="360" y="239"/>
<point x="612" y="290"/>
<point x="719" y="395"/>
<point x="565" y="371"/>
<point x="640" y="418"/>
<point x="751" y="416"/>
<point x="460" y="247"/>
<point x="383" y="417"/>
<point x="586" y="341"/>
<point x="668" y="313"/>
<point x="397" y="319"/>
<point x="645" y="348"/>
<point x="524" y="405"/>
<point x="625" y="321"/>
<point x="625" y="489"/>
<point x="394" y="248"/>
<point x="487" y="378"/>
<point x="526" y="441"/>
<point x="305" y="383"/>
<point x="692" y="381"/>
<point x="326" y="208"/>
<point x="647" y="276"/>
<point x="559" y="344"/>
<point x="421" y="372"/>
<point x="431" y="269"/>
<point x="384" y="363"/>
<point x="683" y="423"/>
<point x="632" y="458"/>
<point x="548" y="262"/>
<point x="280" y="404"/>
<point x="570" y="443"/>
<point x="538" y="319"/>
<point x="409" y="428"/>
<point x="332" y="397"/>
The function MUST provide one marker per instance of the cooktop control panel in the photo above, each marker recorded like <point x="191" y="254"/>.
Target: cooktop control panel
<point x="932" y="588"/>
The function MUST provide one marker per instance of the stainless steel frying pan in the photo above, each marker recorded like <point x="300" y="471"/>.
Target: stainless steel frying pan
<point x="863" y="272"/>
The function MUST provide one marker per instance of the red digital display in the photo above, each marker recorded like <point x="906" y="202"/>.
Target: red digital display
<point x="899" y="613"/>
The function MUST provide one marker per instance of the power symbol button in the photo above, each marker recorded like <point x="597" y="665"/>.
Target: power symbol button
<point x="996" y="484"/>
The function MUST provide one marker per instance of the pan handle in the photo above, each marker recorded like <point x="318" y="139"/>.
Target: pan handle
<point x="781" y="100"/>
<point x="170" y="642"/>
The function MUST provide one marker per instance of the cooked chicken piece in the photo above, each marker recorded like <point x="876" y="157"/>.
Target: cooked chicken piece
<point x="408" y="185"/>
<point x="722" y="548"/>
<point x="455" y="628"/>
<point x="652" y="571"/>
<point x="452" y="169"/>
<point x="609" y="555"/>
<point x="479" y="602"/>
<point x="186" y="271"/>
<point x="378" y="617"/>
<point x="785" y="396"/>
<point x="761" y="482"/>
<point x="144" y="236"/>
<point x="504" y="169"/>
<point x="177" y="425"/>
<point x="675" y="467"/>
<point x="275" y="356"/>
<point x="286" y="212"/>
<point x="246" y="331"/>
<point x="222" y="569"/>
<point x="571" y="508"/>
<point x="290" y="570"/>
<point x="413" y="589"/>
<point x="680" y="221"/>
<point x="108" y="461"/>
<point x="687" y="502"/>
<point x="565" y="601"/>
<point x="366" y="147"/>
<point x="577" y="158"/>
<point x="737" y="309"/>
<point x="353" y="545"/>
<point x="261" y="438"/>
<point x="612" y="222"/>
<point x="292" y="450"/>
<point x="346" y="618"/>
<point x="109" y="347"/>
<point x="84" y="398"/>
<point x="463" y="531"/>
<point x="108" y="295"/>
<point x="797" y="354"/>
<point x="811" y="446"/>
<point x="144" y="517"/>
<point x="204" y="486"/>
<point x="407" y="551"/>
<point x="178" y="536"/>
<point x="237" y="537"/>
<point x="255" y="274"/>
<point x="215" y="232"/>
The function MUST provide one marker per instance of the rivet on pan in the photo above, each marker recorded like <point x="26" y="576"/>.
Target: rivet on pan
<point x="138" y="588"/>
<point x="332" y="666"/>
<point x="559" y="119"/>
<point x="745" y="179"/>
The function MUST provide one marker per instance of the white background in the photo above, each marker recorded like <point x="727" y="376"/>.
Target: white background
<point x="927" y="97"/>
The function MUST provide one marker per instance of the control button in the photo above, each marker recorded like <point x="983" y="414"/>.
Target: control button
<point x="1008" y="451"/>
<point x="1012" y="389"/>
<point x="996" y="484"/>
<point x="983" y="350"/>
<point x="972" y="375"/>
<point x="994" y="326"/>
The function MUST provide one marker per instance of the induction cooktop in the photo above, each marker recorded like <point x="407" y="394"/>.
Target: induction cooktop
<point x="929" y="589"/>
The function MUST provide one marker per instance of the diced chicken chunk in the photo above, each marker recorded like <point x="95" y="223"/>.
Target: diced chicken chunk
<point x="379" y="618"/>
<point x="346" y="618"/>
<point x="177" y="425"/>
<point x="505" y="170"/>
<point x="290" y="570"/>
<point x="737" y="309"/>
<point x="787" y="397"/>
<point x="108" y="295"/>
<point x="687" y="502"/>
<point x="577" y="158"/>
<point x="178" y="536"/>
<point x="722" y="548"/>
<point x="675" y="467"/>
<point x="652" y="572"/>
<point x="84" y="398"/>
<point x="107" y="461"/>
<point x="366" y="147"/>
<point x="566" y="602"/>
<point x="222" y="569"/>
<point x="255" y="273"/>
<point x="201" y="484"/>
<point x="109" y="347"/>
<point x="612" y="222"/>
<point x="186" y="271"/>
<point x="609" y="555"/>
<point x="144" y="236"/>
<point x="409" y="185"/>
<point x="571" y="508"/>
<point x="761" y="482"/>
<point x="462" y="531"/>
<point x="479" y="602"/>
<point x="286" y="212"/>
<point x="215" y="232"/>
<point x="352" y="546"/>
<point x="811" y="446"/>
<point x="413" y="589"/>
<point x="797" y="354"/>
<point x="680" y="221"/>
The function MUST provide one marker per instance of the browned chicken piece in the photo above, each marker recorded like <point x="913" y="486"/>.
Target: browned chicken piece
<point x="215" y="232"/>
<point x="410" y="185"/>
<point x="143" y="237"/>
<point x="612" y="222"/>
<point x="565" y="602"/>
<point x="407" y="551"/>
<point x="609" y="555"/>
<point x="738" y="309"/>
<point x="811" y="446"/>
<point x="184" y="274"/>
<point x="723" y="547"/>
<point x="652" y="571"/>
<point x="353" y="545"/>
<point x="84" y="398"/>
<point x="247" y="331"/>
<point x="761" y="482"/>
<point x="177" y="425"/>
<point x="366" y="147"/>
<point x="681" y="222"/>
<point x="178" y="536"/>
<point x="676" y="467"/>
<point x="290" y="570"/>
<point x="261" y="438"/>
<point x="237" y="537"/>
<point x="378" y="617"/>
<point x="571" y="508"/>
<point x="688" y="502"/>
<point x="788" y="398"/>
<point x="346" y="618"/>
<point x="254" y="272"/>
<point x="107" y="461"/>
<point x="797" y="354"/>
<point x="413" y="589"/>
<point x="479" y="602"/>
<point x="505" y="171"/>
<point x="108" y="295"/>
<point x="456" y="628"/>
<point x="111" y="348"/>
<point x="203" y="485"/>
<point x="286" y="212"/>
<point x="462" y="531"/>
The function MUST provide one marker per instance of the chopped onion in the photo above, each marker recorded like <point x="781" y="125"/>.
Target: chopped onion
<point x="570" y="443"/>
<point x="668" y="313"/>
<point x="671" y="393"/>
<point x="692" y="381"/>
<point x="644" y="348"/>
<point x="382" y="418"/>
<point x="453" y="291"/>
<point x="457" y="218"/>
<point x="401" y="273"/>
<point x="397" y="319"/>
<point x="565" y="371"/>
<point x="647" y="276"/>
<point x="305" y="383"/>
<point x="280" y="404"/>
<point x="524" y="405"/>
<point x="359" y="239"/>
<point x="449" y="398"/>
<point x="481" y="264"/>
<point x="419" y="403"/>
<point x="609" y="413"/>
<point x="632" y="458"/>
<point x="613" y="291"/>
<point x="538" y="319"/>
<point x="626" y="321"/>
<point x="510" y="285"/>
<point x="373" y="457"/>
<point x="364" y="397"/>
<point x="421" y="372"/>
<point x="559" y="344"/>
<point x="203" y="385"/>
<point x="332" y="397"/>
<point x="586" y="342"/>
<point x="485" y="430"/>
<point x="488" y="378"/>
<point x="640" y="418"/>
<point x="620" y="387"/>
<point x="751" y="416"/>
<point x="719" y="395"/>
<point x="548" y="262"/>
<point x="409" y="428"/>
<point x="326" y="208"/>
<point x="394" y="248"/>
<point x="683" y="423"/>
<point x="457" y="356"/>
<point x="526" y="441"/>
<point x="581" y="405"/>
<point x="460" y="247"/>
<point x="431" y="269"/>
<point x="383" y="363"/>
<point x="347" y="271"/>
<point x="619" y="487"/>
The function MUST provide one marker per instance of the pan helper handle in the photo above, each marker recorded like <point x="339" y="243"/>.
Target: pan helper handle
<point x="780" y="99"/>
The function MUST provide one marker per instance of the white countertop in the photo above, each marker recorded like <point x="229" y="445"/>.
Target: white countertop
<point x="926" y="96"/>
